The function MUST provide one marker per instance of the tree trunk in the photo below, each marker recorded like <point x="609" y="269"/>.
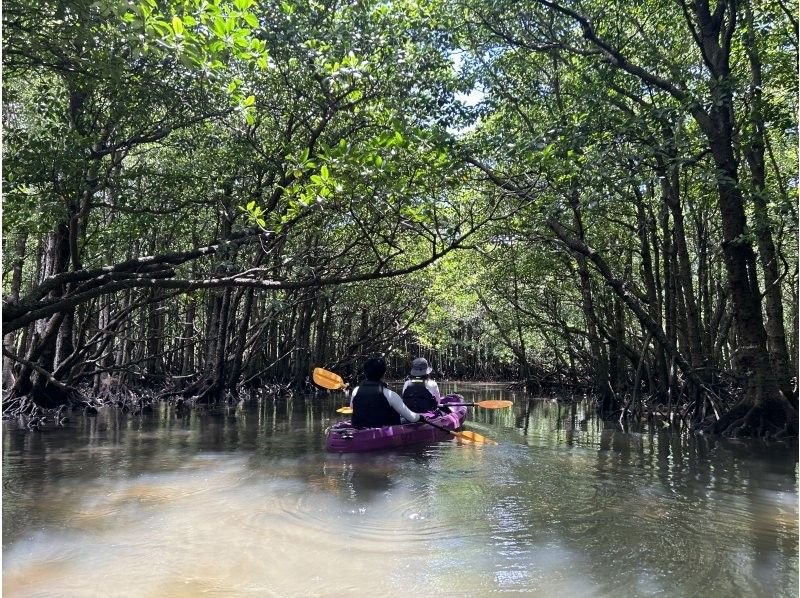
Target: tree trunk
<point x="754" y="154"/>
<point x="670" y="194"/>
<point x="188" y="337"/>
<point x="596" y="345"/>
<point x="651" y="290"/>
<point x="155" y="334"/>
<point x="763" y="410"/>
<point x="13" y="296"/>
<point x="240" y="340"/>
<point x="42" y="351"/>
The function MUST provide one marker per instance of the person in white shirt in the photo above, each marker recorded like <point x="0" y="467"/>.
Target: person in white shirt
<point x="420" y="393"/>
<point x="374" y="404"/>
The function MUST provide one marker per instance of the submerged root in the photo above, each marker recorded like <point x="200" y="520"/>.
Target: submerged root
<point x="771" y="420"/>
<point x="33" y="416"/>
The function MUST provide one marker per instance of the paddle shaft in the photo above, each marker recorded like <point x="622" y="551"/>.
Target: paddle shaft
<point x="438" y="427"/>
<point x="350" y="410"/>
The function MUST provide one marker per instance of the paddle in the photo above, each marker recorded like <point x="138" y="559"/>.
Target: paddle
<point x="467" y="436"/>
<point x="481" y="404"/>
<point x="327" y="379"/>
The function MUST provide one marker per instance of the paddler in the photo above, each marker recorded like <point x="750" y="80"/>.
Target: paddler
<point x="420" y="392"/>
<point x="374" y="404"/>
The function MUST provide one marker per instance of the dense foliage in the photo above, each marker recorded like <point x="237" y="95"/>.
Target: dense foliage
<point x="202" y="196"/>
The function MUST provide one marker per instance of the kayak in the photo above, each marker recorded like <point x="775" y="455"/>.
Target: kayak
<point x="344" y="438"/>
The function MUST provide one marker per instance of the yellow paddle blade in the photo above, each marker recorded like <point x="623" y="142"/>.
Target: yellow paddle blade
<point x="473" y="437"/>
<point x="327" y="379"/>
<point x="494" y="404"/>
<point x="345" y="410"/>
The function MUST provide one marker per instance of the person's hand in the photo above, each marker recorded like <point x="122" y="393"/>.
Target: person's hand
<point x="422" y="419"/>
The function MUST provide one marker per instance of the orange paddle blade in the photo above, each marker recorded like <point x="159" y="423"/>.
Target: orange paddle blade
<point x="473" y="437"/>
<point x="345" y="410"/>
<point x="327" y="379"/>
<point x="494" y="404"/>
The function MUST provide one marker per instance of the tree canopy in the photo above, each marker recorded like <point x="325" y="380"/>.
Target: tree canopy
<point x="208" y="194"/>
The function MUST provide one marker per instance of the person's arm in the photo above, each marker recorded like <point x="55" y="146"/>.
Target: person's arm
<point x="405" y="385"/>
<point x="353" y="396"/>
<point x="397" y="403"/>
<point x="434" y="388"/>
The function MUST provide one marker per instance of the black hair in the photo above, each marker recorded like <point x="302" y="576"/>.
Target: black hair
<point x="374" y="368"/>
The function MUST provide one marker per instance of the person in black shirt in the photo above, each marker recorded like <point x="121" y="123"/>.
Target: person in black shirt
<point x="374" y="404"/>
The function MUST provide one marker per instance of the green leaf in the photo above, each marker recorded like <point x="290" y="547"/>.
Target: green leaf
<point x="249" y="101"/>
<point x="251" y="19"/>
<point x="251" y="205"/>
<point x="186" y="60"/>
<point x="378" y="161"/>
<point x="177" y="25"/>
<point x="219" y="26"/>
<point x="324" y="172"/>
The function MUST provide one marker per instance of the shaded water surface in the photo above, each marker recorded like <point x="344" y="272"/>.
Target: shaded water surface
<point x="245" y="501"/>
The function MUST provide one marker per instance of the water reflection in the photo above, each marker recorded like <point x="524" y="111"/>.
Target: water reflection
<point x="244" y="501"/>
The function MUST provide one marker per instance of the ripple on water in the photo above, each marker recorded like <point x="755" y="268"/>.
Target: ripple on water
<point x="598" y="515"/>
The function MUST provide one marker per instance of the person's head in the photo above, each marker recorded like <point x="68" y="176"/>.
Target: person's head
<point x="374" y="368"/>
<point x="420" y="368"/>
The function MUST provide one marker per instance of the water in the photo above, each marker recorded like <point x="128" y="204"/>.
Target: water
<point x="246" y="502"/>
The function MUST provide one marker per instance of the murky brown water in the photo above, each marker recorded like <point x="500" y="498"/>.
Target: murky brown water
<point x="246" y="502"/>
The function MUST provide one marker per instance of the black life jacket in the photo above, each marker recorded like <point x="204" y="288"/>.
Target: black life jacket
<point x="370" y="407"/>
<point x="418" y="398"/>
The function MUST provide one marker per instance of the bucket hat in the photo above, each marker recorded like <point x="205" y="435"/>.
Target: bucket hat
<point x="420" y="367"/>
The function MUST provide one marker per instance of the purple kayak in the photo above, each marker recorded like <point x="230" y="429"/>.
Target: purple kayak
<point x="344" y="438"/>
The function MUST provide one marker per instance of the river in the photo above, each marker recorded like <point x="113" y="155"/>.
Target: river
<point x="245" y="501"/>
